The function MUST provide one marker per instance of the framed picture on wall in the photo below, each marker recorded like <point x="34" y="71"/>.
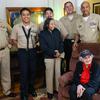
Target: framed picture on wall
<point x="96" y="8"/>
<point x="13" y="15"/>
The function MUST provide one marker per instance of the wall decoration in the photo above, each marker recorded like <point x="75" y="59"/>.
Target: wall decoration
<point x="13" y="15"/>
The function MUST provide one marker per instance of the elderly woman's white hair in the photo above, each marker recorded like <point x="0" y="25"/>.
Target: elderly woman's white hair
<point x="85" y="53"/>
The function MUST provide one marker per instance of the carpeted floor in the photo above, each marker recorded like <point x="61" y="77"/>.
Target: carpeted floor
<point x="40" y="92"/>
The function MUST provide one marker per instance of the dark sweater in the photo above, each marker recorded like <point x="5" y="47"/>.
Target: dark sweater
<point x="50" y="41"/>
<point x="94" y="75"/>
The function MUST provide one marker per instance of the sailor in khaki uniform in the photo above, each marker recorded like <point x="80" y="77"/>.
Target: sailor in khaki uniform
<point x="23" y="36"/>
<point x="88" y="26"/>
<point x="48" y="13"/>
<point x="5" y="58"/>
<point x="69" y="21"/>
<point x="19" y="36"/>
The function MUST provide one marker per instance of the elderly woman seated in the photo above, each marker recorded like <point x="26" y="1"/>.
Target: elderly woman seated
<point x="86" y="80"/>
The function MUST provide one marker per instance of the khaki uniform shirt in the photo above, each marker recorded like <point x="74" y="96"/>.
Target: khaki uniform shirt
<point x="59" y="26"/>
<point x="89" y="30"/>
<point x="3" y="35"/>
<point x="70" y="25"/>
<point x="19" y="36"/>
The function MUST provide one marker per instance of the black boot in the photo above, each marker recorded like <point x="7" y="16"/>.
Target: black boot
<point x="50" y="96"/>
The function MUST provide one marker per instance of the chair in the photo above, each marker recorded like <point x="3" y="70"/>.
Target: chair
<point x="65" y="79"/>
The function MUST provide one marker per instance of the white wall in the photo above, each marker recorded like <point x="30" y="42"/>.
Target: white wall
<point x="26" y="3"/>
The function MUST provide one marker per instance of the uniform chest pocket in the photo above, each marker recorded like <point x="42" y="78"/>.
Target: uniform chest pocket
<point x="33" y="34"/>
<point x="93" y="24"/>
<point x="21" y="33"/>
<point x="33" y="37"/>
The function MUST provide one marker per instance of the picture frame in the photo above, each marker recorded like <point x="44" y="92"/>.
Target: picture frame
<point x="96" y="8"/>
<point x="13" y="15"/>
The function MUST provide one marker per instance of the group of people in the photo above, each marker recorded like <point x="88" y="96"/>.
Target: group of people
<point x="56" y="38"/>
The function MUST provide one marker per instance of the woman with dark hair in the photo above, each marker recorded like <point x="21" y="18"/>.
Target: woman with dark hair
<point x="46" y="23"/>
<point x="52" y="46"/>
